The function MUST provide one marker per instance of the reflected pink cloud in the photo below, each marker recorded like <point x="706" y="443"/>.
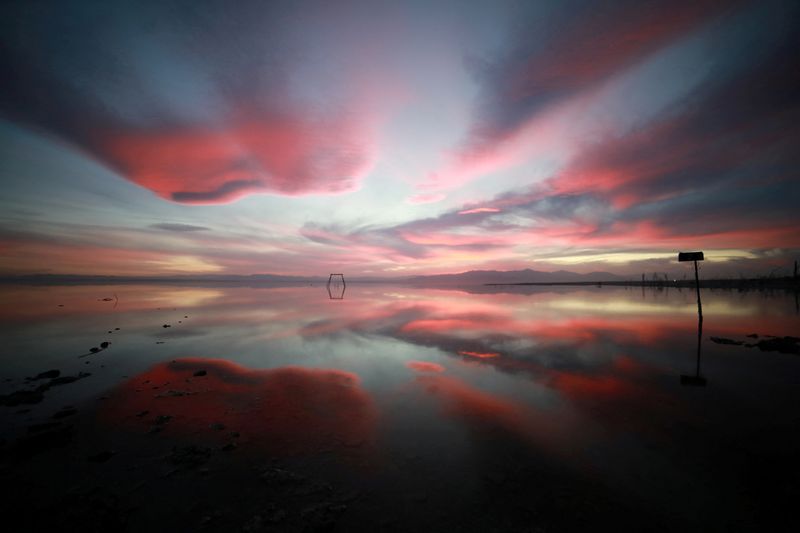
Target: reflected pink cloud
<point x="479" y="355"/>
<point x="287" y="410"/>
<point x="425" y="367"/>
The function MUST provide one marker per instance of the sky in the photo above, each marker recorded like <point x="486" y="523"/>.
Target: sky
<point x="398" y="138"/>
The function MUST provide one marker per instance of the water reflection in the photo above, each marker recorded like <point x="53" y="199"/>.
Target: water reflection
<point x="288" y="410"/>
<point x="577" y="382"/>
<point x="697" y="380"/>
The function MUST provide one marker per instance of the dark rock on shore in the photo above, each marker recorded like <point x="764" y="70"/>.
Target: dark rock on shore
<point x="64" y="413"/>
<point x="64" y="380"/>
<point x="49" y="374"/>
<point x="21" y="397"/>
<point x="44" y="426"/>
<point x="189" y="456"/>
<point x="780" y="344"/>
<point x="723" y="340"/>
<point x="200" y="373"/>
<point x="101" y="457"/>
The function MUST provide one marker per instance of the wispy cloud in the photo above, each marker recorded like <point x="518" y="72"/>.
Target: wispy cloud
<point x="172" y="226"/>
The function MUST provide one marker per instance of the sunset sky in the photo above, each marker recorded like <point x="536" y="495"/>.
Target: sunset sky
<point x="398" y="138"/>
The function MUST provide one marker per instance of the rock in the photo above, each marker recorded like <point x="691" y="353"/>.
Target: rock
<point x="142" y="413"/>
<point x="166" y="326"/>
<point x="723" y="340"/>
<point x="199" y="373"/>
<point x="321" y="517"/>
<point x="190" y="456"/>
<point x="174" y="393"/>
<point x="94" y="349"/>
<point x="101" y="457"/>
<point x="160" y="420"/>
<point x="116" y="329"/>
<point x="278" y="476"/>
<point x="256" y="523"/>
<point x="753" y="335"/>
<point x="64" y="380"/>
<point x="217" y="426"/>
<point x="780" y="344"/>
<point x="104" y="344"/>
<point x="21" y="397"/>
<point x="270" y="515"/>
<point x="229" y="447"/>
<point x="45" y="426"/>
<point x="64" y="413"/>
<point x="49" y="374"/>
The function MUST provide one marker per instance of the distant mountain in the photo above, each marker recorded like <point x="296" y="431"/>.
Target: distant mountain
<point x="254" y="279"/>
<point x="473" y="277"/>
<point x="514" y="276"/>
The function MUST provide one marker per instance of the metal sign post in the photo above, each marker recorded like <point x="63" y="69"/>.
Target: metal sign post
<point x="697" y="380"/>
<point x="694" y="256"/>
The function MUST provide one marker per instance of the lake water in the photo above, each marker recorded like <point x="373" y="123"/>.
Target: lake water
<point x="475" y="409"/>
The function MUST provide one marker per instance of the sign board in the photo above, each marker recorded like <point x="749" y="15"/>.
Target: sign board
<point x="690" y="256"/>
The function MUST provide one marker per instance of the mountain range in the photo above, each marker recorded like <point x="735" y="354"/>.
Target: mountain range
<point x="472" y="277"/>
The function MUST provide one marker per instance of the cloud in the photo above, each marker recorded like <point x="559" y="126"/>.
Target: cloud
<point x="169" y="226"/>
<point x="556" y="59"/>
<point x="479" y="210"/>
<point x="198" y="109"/>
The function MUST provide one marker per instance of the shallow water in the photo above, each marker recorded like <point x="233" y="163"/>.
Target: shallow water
<point x="537" y="408"/>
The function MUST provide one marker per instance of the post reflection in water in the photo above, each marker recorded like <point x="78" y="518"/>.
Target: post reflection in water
<point x="493" y="399"/>
<point x="696" y="380"/>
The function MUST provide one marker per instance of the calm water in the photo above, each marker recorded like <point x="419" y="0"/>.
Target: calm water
<point x="550" y="406"/>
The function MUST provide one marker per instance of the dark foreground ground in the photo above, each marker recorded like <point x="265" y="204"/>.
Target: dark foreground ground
<point x="179" y="458"/>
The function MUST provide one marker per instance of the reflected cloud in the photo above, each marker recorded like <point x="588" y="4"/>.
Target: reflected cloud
<point x="425" y="366"/>
<point x="288" y="410"/>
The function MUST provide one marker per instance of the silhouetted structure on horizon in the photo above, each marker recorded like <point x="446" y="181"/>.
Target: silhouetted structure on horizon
<point x="336" y="286"/>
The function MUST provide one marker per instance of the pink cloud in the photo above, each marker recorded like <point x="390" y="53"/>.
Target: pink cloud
<point x="426" y="198"/>
<point x="288" y="155"/>
<point x="479" y="210"/>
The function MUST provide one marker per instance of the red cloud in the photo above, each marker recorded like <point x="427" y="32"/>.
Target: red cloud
<point x="275" y="154"/>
